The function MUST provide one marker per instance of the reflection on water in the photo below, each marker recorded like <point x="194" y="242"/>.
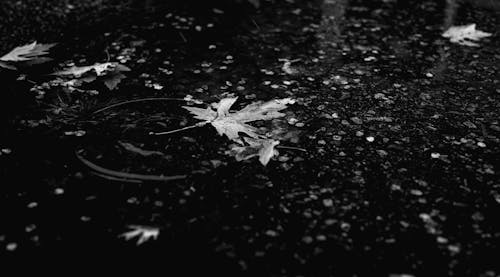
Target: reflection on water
<point x="333" y="12"/>
<point x="329" y="34"/>
<point x="450" y="12"/>
<point x="487" y="4"/>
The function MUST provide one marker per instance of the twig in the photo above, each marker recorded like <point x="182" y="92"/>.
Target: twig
<point x="137" y="101"/>
<point x="179" y="130"/>
<point x="134" y="149"/>
<point x="183" y="37"/>
<point x="291" y="148"/>
<point x="107" y="55"/>
<point x="255" y="23"/>
<point x="124" y="175"/>
<point x="111" y="178"/>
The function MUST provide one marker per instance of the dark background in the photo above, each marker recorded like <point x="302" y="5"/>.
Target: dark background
<point x="346" y="207"/>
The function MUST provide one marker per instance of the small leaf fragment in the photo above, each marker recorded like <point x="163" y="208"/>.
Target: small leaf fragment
<point x="263" y="148"/>
<point x="144" y="233"/>
<point x="113" y="80"/>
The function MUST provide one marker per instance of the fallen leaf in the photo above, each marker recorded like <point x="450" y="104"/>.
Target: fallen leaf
<point x="231" y="124"/>
<point x="113" y="80"/>
<point x="100" y="69"/>
<point x="30" y="54"/>
<point x="27" y="52"/>
<point x="263" y="148"/>
<point x="144" y="233"/>
<point x="110" y="73"/>
<point x="465" y="35"/>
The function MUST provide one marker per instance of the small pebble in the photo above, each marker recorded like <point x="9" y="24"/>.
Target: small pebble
<point x="271" y="233"/>
<point x="307" y="239"/>
<point x="328" y="202"/>
<point x="11" y="246"/>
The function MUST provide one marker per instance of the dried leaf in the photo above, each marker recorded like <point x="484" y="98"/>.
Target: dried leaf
<point x="110" y="73"/>
<point x="231" y="124"/>
<point x="465" y="35"/>
<point x="144" y="233"/>
<point x="100" y="69"/>
<point x="263" y="148"/>
<point x="288" y="69"/>
<point x="28" y="52"/>
<point x="113" y="80"/>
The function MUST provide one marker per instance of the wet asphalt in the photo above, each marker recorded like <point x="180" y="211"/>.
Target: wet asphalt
<point x="390" y="157"/>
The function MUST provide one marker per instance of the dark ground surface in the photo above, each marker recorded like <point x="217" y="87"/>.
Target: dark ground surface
<point x="422" y="198"/>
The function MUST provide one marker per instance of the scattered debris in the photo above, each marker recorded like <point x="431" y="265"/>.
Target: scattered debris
<point x="287" y="66"/>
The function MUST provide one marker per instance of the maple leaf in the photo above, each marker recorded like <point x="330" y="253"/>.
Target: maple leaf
<point x="465" y="35"/>
<point x="232" y="123"/>
<point x="30" y="53"/>
<point x="144" y="233"/>
<point x="27" y="52"/>
<point x="263" y="148"/>
<point x="110" y="73"/>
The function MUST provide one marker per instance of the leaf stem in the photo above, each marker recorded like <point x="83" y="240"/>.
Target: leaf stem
<point x="291" y="148"/>
<point x="179" y="130"/>
<point x="137" y="101"/>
